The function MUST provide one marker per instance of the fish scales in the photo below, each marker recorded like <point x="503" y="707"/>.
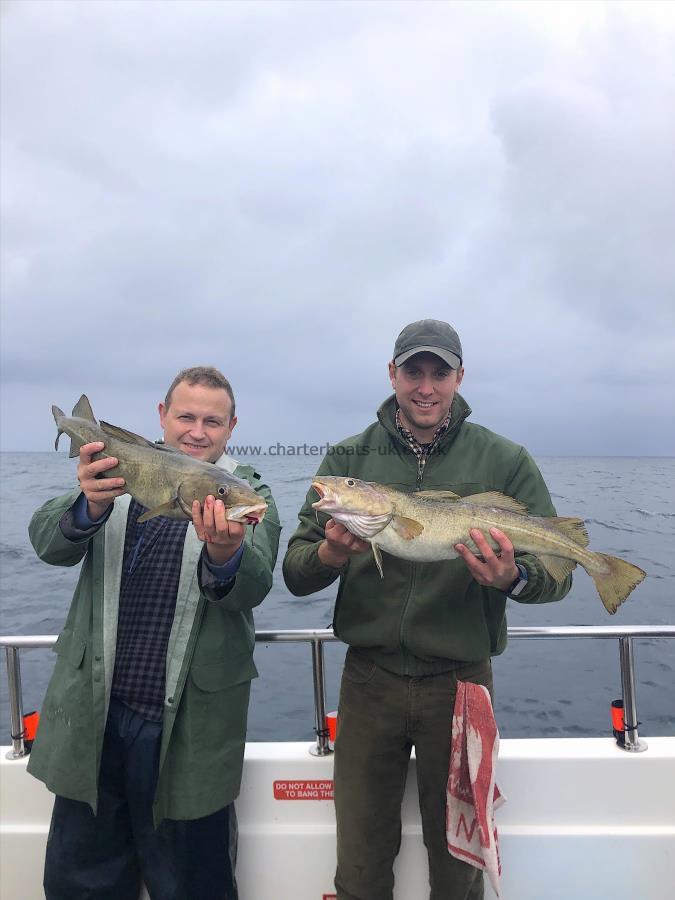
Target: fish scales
<point x="426" y="526"/>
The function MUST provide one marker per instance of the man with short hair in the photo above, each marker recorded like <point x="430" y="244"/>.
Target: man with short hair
<point x="416" y="632"/>
<point x="143" y="726"/>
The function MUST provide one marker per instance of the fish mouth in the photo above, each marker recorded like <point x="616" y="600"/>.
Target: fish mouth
<point x="326" y="497"/>
<point x="247" y="515"/>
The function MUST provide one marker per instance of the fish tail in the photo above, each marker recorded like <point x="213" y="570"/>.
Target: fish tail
<point x="615" y="584"/>
<point x="58" y="414"/>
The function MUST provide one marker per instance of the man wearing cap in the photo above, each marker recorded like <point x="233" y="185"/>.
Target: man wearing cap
<point x="415" y="633"/>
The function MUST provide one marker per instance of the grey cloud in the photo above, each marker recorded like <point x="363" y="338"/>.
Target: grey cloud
<point x="278" y="188"/>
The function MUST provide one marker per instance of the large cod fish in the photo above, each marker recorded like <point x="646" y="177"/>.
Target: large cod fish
<point x="425" y="526"/>
<point x="163" y="479"/>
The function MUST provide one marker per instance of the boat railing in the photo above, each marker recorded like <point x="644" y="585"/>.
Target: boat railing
<point x="629" y="740"/>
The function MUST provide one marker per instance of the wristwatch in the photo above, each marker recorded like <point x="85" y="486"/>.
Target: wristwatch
<point x="519" y="583"/>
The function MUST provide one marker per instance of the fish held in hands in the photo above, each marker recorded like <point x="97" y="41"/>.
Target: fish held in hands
<point x="159" y="477"/>
<point x="425" y="526"/>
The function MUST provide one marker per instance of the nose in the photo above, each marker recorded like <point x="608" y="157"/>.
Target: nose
<point x="197" y="430"/>
<point x="426" y="387"/>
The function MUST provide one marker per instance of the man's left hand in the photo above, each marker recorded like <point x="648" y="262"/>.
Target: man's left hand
<point x="496" y="569"/>
<point x="222" y="537"/>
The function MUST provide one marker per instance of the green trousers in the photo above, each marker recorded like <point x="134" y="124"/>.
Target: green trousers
<point x="381" y="717"/>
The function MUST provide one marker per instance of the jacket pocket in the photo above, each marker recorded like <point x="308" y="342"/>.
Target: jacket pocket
<point x="69" y="646"/>
<point x="225" y="673"/>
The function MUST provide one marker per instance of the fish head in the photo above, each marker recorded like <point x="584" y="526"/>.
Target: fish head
<point x="242" y="503"/>
<point x="363" y="507"/>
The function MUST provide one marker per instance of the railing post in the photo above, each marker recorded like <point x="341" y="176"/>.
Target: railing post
<point x="15" y="703"/>
<point x="632" y="741"/>
<point x="322" y="747"/>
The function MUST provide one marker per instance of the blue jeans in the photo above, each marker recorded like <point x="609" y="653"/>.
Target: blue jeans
<point x="105" y="856"/>
<point x="381" y="717"/>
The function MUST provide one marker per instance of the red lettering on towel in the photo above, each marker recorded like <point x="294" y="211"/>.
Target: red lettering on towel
<point x="303" y="790"/>
<point x="467" y="832"/>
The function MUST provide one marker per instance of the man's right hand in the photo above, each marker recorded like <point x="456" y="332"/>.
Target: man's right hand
<point x="100" y="492"/>
<point x="339" y="545"/>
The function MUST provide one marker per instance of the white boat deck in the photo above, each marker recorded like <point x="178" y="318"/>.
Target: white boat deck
<point x="584" y="820"/>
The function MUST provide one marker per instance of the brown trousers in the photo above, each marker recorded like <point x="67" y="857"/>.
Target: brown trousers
<point x="381" y="717"/>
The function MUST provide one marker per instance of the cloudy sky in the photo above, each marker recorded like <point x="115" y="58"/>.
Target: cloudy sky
<point x="277" y="189"/>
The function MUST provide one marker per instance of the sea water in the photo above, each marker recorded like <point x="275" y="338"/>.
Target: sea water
<point x="542" y="687"/>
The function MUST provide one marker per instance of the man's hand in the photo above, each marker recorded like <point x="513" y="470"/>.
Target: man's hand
<point x="222" y="537"/>
<point x="339" y="545"/>
<point x="497" y="570"/>
<point x="100" y="492"/>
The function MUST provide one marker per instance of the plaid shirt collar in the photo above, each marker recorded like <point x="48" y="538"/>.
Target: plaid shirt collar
<point x="421" y="451"/>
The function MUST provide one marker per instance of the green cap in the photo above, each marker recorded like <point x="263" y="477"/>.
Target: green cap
<point x="429" y="336"/>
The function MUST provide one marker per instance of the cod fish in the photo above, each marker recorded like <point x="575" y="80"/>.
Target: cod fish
<point x="163" y="479"/>
<point x="425" y="526"/>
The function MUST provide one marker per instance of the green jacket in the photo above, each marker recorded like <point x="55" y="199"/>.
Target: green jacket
<point x="422" y="618"/>
<point x="209" y="664"/>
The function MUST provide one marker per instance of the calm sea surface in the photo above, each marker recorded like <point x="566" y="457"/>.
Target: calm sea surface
<point x="543" y="688"/>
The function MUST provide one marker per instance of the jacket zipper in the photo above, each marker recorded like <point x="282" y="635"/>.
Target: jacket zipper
<point x="413" y="579"/>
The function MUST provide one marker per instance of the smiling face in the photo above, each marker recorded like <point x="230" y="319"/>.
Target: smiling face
<point x="425" y="387"/>
<point x="198" y="421"/>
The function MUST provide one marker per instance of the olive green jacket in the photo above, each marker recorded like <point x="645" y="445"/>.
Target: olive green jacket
<point x="422" y="618"/>
<point x="209" y="663"/>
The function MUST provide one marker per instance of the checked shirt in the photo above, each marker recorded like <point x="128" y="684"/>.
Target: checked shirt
<point x="421" y="451"/>
<point x="153" y="551"/>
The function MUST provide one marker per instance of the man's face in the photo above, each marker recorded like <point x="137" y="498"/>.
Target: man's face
<point x="197" y="420"/>
<point x="425" y="387"/>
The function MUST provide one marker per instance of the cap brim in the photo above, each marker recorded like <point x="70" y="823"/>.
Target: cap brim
<point x="446" y="355"/>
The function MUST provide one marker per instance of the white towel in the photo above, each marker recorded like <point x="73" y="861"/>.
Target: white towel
<point x="473" y="795"/>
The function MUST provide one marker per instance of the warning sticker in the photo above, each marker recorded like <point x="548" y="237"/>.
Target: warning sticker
<point x="303" y="790"/>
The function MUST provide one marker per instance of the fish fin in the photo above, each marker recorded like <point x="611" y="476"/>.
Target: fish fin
<point x="162" y="510"/>
<point x="406" y="528"/>
<point x="557" y="567"/>
<point x="58" y="414"/>
<point x="83" y="410"/>
<point x="123" y="435"/>
<point x="572" y="528"/>
<point x="495" y="499"/>
<point x="436" y="495"/>
<point x="160" y="445"/>
<point x="615" y="585"/>
<point x="377" y="555"/>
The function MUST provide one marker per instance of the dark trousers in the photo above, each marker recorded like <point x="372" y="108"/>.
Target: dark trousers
<point x="381" y="717"/>
<point x="105" y="856"/>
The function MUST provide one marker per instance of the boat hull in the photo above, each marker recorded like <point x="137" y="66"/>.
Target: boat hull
<point x="583" y="819"/>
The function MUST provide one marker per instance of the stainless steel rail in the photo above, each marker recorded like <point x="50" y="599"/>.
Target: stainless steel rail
<point x="318" y="637"/>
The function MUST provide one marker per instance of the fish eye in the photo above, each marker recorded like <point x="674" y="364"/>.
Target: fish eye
<point x="222" y="491"/>
<point x="351" y="482"/>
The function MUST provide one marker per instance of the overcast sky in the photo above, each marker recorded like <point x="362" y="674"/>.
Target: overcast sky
<point x="277" y="189"/>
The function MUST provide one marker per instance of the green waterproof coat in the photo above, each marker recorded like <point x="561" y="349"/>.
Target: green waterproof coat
<point x="209" y="663"/>
<point x="422" y="618"/>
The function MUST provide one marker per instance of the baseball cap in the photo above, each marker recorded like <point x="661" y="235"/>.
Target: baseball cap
<point x="429" y="336"/>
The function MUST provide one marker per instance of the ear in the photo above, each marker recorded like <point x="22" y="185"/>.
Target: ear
<point x="162" y="414"/>
<point x="392" y="374"/>
<point x="233" y="422"/>
<point x="460" y="375"/>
